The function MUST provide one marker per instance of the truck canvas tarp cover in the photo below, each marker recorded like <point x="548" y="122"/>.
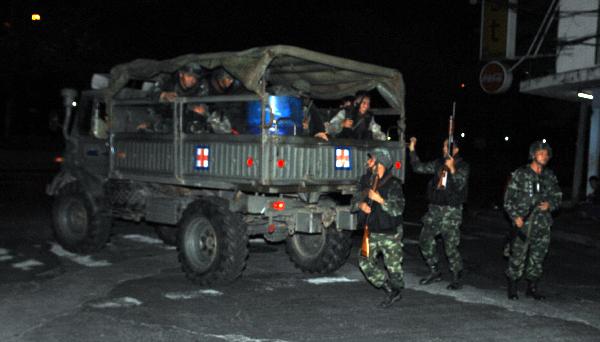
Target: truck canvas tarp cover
<point x="330" y="77"/>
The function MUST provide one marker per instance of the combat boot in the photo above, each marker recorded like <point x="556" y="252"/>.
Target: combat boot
<point x="434" y="275"/>
<point x="392" y="295"/>
<point x="532" y="291"/>
<point x="512" y="289"/>
<point x="455" y="284"/>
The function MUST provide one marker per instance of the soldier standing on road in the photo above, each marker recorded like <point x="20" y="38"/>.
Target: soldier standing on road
<point x="446" y="192"/>
<point x="532" y="194"/>
<point x="381" y="209"/>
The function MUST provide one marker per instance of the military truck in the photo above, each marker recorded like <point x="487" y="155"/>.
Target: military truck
<point x="208" y="193"/>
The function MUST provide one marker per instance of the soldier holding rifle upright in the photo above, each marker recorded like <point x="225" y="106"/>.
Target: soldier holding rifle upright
<point x="532" y="194"/>
<point x="446" y="192"/>
<point x="381" y="203"/>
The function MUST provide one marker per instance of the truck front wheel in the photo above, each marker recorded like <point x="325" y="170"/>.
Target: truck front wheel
<point x="319" y="253"/>
<point x="77" y="227"/>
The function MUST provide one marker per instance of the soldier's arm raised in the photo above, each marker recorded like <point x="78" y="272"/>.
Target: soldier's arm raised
<point x="421" y="167"/>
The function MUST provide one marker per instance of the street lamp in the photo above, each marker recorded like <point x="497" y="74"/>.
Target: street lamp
<point x="506" y="138"/>
<point x="36" y="17"/>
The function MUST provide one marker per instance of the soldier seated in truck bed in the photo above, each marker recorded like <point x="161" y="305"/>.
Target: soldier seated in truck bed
<point x="354" y="122"/>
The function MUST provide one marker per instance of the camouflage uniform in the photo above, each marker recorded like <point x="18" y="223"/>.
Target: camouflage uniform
<point x="525" y="192"/>
<point x="390" y="246"/>
<point x="444" y="216"/>
<point x="385" y="226"/>
<point x="442" y="220"/>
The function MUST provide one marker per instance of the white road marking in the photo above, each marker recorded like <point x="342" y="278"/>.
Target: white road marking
<point x="3" y="251"/>
<point x="257" y="240"/>
<point x="6" y="257"/>
<point x="149" y="240"/>
<point x="27" y="265"/>
<point x="329" y="280"/>
<point x="192" y="294"/>
<point x="242" y="338"/>
<point x="586" y="314"/>
<point x="123" y="302"/>
<point x="143" y="239"/>
<point x="84" y="260"/>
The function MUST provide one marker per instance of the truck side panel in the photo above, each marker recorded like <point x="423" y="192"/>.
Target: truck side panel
<point x="136" y="156"/>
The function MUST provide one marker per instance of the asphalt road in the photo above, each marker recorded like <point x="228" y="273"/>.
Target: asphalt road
<point x="134" y="290"/>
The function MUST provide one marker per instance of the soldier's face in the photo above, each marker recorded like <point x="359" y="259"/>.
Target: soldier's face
<point x="371" y="164"/>
<point x="541" y="157"/>
<point x="225" y="82"/>
<point x="364" y="106"/>
<point x="445" y="149"/>
<point x="187" y="80"/>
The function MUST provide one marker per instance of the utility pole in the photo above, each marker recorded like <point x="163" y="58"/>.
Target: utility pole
<point x="580" y="151"/>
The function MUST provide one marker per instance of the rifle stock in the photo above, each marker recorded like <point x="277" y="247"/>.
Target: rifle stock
<point x="364" y="250"/>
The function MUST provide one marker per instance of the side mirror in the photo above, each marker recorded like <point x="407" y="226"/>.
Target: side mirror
<point x="69" y="96"/>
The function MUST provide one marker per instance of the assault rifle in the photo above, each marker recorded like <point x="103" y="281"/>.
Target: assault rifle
<point x="451" y="122"/>
<point x="444" y="171"/>
<point x="364" y="251"/>
<point x="519" y="231"/>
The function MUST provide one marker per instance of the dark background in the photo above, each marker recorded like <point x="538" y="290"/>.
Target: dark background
<point x="435" y="44"/>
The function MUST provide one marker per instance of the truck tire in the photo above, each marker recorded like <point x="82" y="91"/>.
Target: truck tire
<point x="167" y="234"/>
<point x="213" y="244"/>
<point x="319" y="253"/>
<point x="76" y="226"/>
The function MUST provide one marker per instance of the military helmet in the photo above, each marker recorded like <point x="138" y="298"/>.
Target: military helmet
<point x="222" y="73"/>
<point x="192" y="69"/>
<point x="539" y="145"/>
<point x="382" y="156"/>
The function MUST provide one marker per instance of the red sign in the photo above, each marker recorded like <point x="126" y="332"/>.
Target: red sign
<point x="495" y="78"/>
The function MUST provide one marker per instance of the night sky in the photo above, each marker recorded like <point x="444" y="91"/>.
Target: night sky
<point x="435" y="45"/>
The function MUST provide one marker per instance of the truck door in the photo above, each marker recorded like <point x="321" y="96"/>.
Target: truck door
<point x="92" y="134"/>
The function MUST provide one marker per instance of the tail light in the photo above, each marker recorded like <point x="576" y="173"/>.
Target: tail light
<point x="279" y="205"/>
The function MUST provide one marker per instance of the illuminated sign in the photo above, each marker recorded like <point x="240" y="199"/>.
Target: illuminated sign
<point x="343" y="158"/>
<point x="495" y="78"/>
<point x="202" y="157"/>
<point x="498" y="29"/>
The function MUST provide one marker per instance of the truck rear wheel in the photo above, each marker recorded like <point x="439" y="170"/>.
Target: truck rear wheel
<point x="76" y="226"/>
<point x="213" y="245"/>
<point x="319" y="253"/>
